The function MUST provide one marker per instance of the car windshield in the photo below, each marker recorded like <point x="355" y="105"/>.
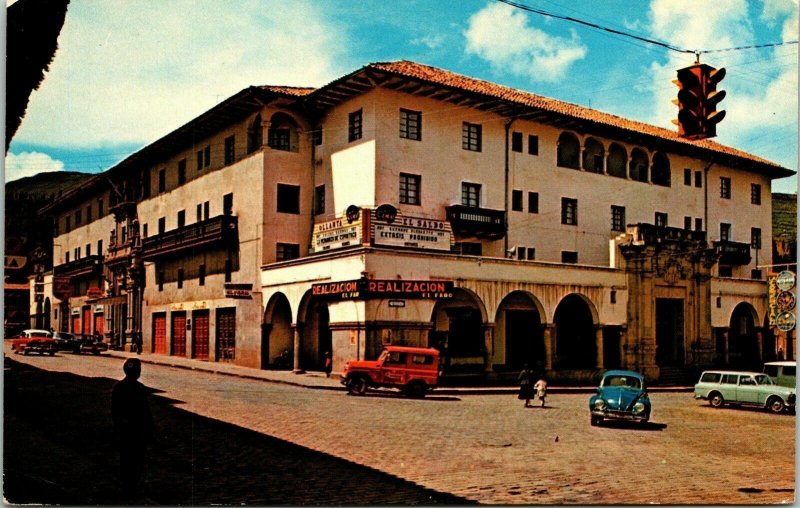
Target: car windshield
<point x="763" y="379"/>
<point x="624" y="381"/>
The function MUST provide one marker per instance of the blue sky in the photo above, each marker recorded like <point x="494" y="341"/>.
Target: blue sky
<point x="127" y="72"/>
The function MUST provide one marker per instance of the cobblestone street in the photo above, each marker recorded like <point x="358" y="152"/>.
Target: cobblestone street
<point x="483" y="448"/>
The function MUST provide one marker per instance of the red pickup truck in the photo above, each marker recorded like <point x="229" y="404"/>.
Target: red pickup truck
<point x="413" y="370"/>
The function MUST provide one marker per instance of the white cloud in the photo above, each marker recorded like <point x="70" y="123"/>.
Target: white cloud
<point x="429" y="41"/>
<point x="500" y="35"/>
<point x="130" y="72"/>
<point x="28" y="164"/>
<point x="761" y="86"/>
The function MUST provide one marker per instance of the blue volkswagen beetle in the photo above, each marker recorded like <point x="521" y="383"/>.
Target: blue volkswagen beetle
<point x="622" y="395"/>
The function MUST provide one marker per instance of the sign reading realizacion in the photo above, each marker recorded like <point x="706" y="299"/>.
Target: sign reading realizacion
<point x="370" y="289"/>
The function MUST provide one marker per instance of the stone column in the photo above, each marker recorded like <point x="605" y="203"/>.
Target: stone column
<point x="548" y="334"/>
<point x="760" y="340"/>
<point x="725" y="359"/>
<point x="488" y="347"/>
<point x="598" y="340"/>
<point x="296" y="328"/>
<point x="265" y="133"/>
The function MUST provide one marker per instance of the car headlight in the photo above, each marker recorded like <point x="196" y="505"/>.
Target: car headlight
<point x="638" y="407"/>
<point x="599" y="404"/>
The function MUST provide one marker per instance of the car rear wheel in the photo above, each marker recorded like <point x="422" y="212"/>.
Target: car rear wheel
<point x="776" y="405"/>
<point x="416" y="389"/>
<point x="357" y="386"/>
<point x="716" y="400"/>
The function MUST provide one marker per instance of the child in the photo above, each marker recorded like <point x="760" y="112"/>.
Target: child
<point x="541" y="389"/>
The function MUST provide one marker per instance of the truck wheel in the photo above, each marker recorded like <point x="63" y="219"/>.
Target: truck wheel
<point x="416" y="389"/>
<point x="357" y="386"/>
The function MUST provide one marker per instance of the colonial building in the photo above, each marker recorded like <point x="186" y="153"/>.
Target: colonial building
<point x="407" y="204"/>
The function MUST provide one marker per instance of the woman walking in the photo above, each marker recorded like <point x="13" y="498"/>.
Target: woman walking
<point x="526" y="385"/>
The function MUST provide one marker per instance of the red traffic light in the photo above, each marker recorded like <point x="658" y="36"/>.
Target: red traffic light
<point x="697" y="101"/>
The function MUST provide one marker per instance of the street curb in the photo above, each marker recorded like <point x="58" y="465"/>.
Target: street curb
<point x="449" y="390"/>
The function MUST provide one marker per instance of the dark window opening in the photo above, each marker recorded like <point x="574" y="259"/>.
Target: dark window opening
<point x="661" y="219"/>
<point x="228" y="270"/>
<point x="230" y="150"/>
<point x="724" y="232"/>
<point x="569" y="256"/>
<point x="617" y="218"/>
<point x="469" y="248"/>
<point x="698" y="179"/>
<point x="280" y="139"/>
<point x="206" y="210"/>
<point x="533" y="202"/>
<point x="410" y="124"/>
<point x="516" y="142"/>
<point x="288" y="198"/>
<point x="162" y="180"/>
<point x="287" y="251"/>
<point x="227" y="204"/>
<point x="687" y="176"/>
<point x="207" y="156"/>
<point x="617" y="162"/>
<point x="410" y="189"/>
<point x="162" y="225"/>
<point x="89" y="214"/>
<point x="687" y="223"/>
<point x="201" y="275"/>
<point x="698" y="224"/>
<point x="199" y="160"/>
<point x="725" y="187"/>
<point x="180" y="278"/>
<point x="755" y="194"/>
<point x="354" y="126"/>
<point x="516" y="200"/>
<point x="568" y="151"/>
<point x="181" y="171"/>
<point x="533" y="144"/>
<point x="181" y="218"/>
<point x="471" y="137"/>
<point x="569" y="211"/>
<point x="471" y="194"/>
<point x="319" y="200"/>
<point x="755" y="238"/>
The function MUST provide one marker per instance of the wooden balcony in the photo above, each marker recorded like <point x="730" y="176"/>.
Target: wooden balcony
<point x="478" y="222"/>
<point x="215" y="232"/>
<point x="89" y="265"/>
<point x="733" y="253"/>
<point x="649" y="234"/>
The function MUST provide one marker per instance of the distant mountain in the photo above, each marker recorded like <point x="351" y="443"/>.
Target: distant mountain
<point x="45" y="186"/>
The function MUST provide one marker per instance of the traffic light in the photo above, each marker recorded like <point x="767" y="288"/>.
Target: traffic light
<point x="697" y="101"/>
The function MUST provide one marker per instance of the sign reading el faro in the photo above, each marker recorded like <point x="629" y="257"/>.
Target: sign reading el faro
<point x="368" y="289"/>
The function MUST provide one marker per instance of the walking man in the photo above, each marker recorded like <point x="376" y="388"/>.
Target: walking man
<point x="133" y="426"/>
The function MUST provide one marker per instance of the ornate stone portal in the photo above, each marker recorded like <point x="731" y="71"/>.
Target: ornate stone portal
<point x="669" y="304"/>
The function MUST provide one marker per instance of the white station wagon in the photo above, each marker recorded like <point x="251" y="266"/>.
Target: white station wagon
<point x="720" y="387"/>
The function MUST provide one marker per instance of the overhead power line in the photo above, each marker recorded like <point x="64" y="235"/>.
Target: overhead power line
<point x="677" y="49"/>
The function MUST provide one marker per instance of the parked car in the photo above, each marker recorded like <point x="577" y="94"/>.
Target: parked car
<point x="67" y="342"/>
<point x="41" y="345"/>
<point x="782" y="373"/>
<point x="413" y="370"/>
<point x="20" y="341"/>
<point x="720" y="387"/>
<point x="622" y="395"/>
<point x="92" y="345"/>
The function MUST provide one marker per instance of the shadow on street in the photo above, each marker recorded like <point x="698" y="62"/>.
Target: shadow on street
<point x="58" y="450"/>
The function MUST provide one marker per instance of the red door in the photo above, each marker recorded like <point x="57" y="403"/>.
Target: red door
<point x="226" y="334"/>
<point x="200" y="335"/>
<point x="87" y="321"/>
<point x="179" y="333"/>
<point x="99" y="323"/>
<point x="160" y="333"/>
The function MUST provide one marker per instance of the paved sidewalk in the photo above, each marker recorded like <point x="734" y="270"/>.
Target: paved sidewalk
<point x="317" y="379"/>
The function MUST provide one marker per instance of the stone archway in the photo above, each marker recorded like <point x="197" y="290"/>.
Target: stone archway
<point x="277" y="336"/>
<point x="743" y="346"/>
<point x="458" y="331"/>
<point x="519" y="337"/>
<point x="313" y="327"/>
<point x="576" y="339"/>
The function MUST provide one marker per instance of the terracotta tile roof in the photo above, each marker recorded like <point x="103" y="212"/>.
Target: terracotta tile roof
<point x="450" y="79"/>
<point x="297" y="91"/>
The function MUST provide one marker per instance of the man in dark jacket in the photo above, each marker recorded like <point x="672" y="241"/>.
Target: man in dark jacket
<point x="133" y="425"/>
